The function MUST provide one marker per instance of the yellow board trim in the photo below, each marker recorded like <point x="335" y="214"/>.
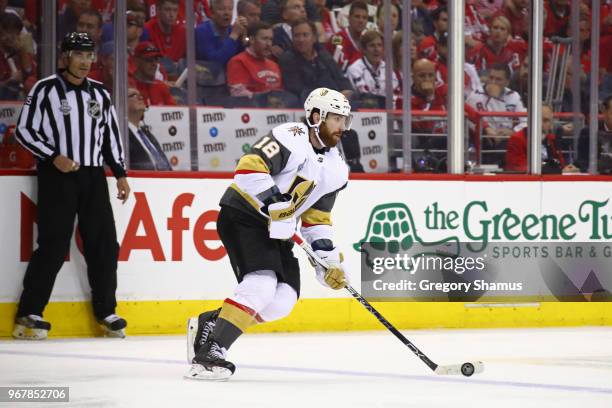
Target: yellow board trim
<point x="75" y="319"/>
<point x="314" y="216"/>
<point x="252" y="162"/>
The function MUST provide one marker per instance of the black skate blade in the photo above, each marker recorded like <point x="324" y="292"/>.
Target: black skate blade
<point x="213" y="373"/>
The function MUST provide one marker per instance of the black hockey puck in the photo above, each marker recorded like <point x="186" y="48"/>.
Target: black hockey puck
<point x="467" y="369"/>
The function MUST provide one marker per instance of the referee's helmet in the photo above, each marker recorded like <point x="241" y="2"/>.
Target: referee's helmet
<point x="78" y="42"/>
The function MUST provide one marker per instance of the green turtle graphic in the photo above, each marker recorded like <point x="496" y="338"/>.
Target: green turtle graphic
<point x="391" y="228"/>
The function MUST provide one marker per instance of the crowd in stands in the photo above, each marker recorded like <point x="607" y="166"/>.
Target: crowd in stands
<point x="272" y="53"/>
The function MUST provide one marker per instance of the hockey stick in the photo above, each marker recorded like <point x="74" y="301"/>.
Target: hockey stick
<point x="466" y="369"/>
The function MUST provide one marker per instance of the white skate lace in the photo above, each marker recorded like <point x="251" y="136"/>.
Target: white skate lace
<point x="216" y="351"/>
<point x="35" y="317"/>
<point x="208" y="328"/>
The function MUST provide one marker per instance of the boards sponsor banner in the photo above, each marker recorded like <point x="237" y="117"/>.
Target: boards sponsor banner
<point x="170" y="126"/>
<point x="167" y="232"/>
<point x="9" y="112"/>
<point x="224" y="135"/>
<point x="371" y="127"/>
<point x="170" y="248"/>
<point x="12" y="154"/>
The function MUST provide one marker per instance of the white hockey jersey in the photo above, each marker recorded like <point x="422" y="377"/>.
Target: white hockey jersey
<point x="367" y="79"/>
<point x="508" y="101"/>
<point x="285" y="158"/>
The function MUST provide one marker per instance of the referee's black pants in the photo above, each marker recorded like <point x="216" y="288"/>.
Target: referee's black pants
<point x="62" y="196"/>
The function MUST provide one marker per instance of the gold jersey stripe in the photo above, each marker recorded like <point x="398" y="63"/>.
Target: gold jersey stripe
<point x="246" y="197"/>
<point x="252" y="162"/>
<point x="314" y="216"/>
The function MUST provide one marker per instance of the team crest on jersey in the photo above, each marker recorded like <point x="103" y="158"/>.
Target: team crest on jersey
<point x="93" y="108"/>
<point x="296" y="130"/>
<point x="336" y="40"/>
<point x="65" y="107"/>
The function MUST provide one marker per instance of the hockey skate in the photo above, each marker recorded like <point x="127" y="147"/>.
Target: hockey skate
<point x="209" y="363"/>
<point x="113" y="326"/>
<point x="31" y="327"/>
<point x="198" y="330"/>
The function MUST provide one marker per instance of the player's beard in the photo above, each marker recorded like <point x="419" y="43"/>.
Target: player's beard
<point x="328" y="138"/>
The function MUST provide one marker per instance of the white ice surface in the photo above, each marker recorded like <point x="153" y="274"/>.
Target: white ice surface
<point x="523" y="368"/>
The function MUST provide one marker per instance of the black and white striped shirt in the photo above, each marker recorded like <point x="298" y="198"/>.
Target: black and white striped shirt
<point x="75" y="121"/>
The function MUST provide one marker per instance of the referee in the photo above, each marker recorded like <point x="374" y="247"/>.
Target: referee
<point x="69" y="123"/>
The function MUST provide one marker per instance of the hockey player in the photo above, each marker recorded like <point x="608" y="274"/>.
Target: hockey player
<point x="294" y="173"/>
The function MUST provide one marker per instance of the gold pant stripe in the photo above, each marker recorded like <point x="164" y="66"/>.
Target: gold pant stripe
<point x="314" y="216"/>
<point x="236" y="316"/>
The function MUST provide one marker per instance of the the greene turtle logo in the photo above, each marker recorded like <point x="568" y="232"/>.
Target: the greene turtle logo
<point x="391" y="228"/>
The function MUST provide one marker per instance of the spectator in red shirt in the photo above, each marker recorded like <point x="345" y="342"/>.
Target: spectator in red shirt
<point x="155" y="92"/>
<point x="201" y="9"/>
<point x="344" y="45"/>
<point x="516" y="150"/>
<point x="252" y="71"/>
<point x="135" y="28"/>
<point x="105" y="68"/>
<point x="486" y="9"/>
<point x="476" y="29"/>
<point x="605" y="19"/>
<point x="500" y="48"/>
<point x="427" y="47"/>
<point x="17" y="71"/>
<point x="426" y="96"/>
<point x="471" y="79"/>
<point x="605" y="44"/>
<point x="556" y="17"/>
<point x="165" y="32"/>
<point x="134" y="8"/>
<point x="328" y="21"/>
<point x="517" y="13"/>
